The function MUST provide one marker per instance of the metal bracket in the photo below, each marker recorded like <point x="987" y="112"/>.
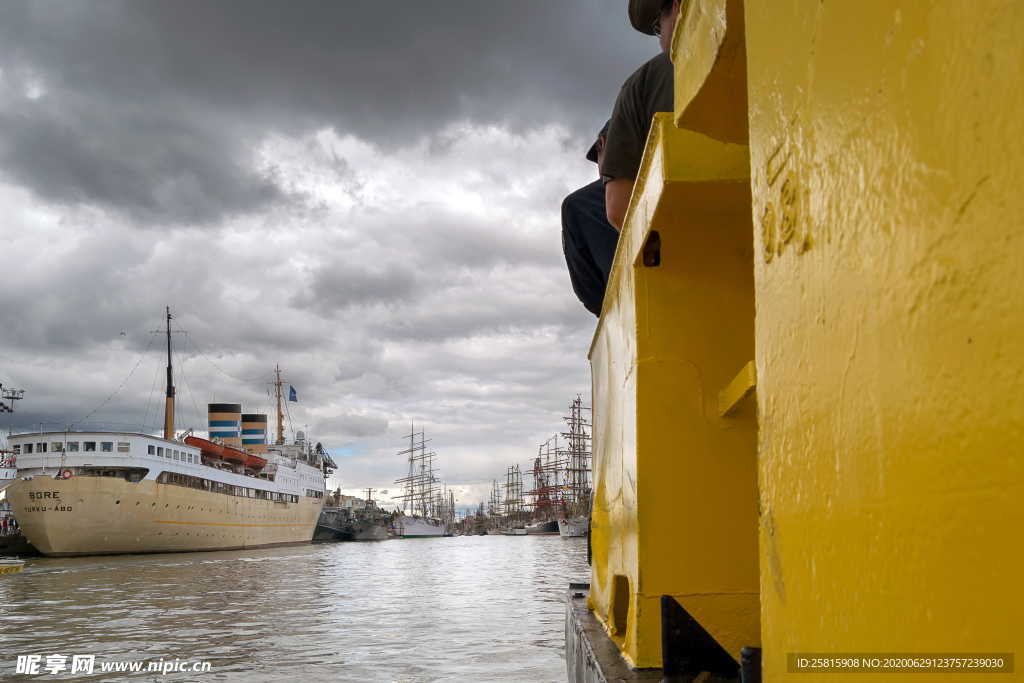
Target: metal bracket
<point x="687" y="649"/>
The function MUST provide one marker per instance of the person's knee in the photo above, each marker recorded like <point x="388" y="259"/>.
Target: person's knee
<point x="584" y="206"/>
<point x="571" y="206"/>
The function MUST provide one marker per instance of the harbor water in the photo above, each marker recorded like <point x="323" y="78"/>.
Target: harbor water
<point x="475" y="608"/>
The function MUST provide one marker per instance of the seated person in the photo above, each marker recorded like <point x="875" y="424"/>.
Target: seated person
<point x="588" y="239"/>
<point x="649" y="90"/>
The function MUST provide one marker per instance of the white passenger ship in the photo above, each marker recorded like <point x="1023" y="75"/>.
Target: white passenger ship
<point x="90" y="493"/>
<point x="94" y="493"/>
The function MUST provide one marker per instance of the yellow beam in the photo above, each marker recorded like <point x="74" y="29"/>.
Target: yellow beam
<point x="675" y="503"/>
<point x="742" y="385"/>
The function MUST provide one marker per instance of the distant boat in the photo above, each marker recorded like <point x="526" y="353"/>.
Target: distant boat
<point x="574" y="526"/>
<point x="11" y="565"/>
<point x="409" y="526"/>
<point x="574" y="520"/>
<point x="544" y="528"/>
<point x="370" y="530"/>
<point x="425" y="510"/>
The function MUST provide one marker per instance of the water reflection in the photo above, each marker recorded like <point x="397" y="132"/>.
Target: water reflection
<point x="478" y="608"/>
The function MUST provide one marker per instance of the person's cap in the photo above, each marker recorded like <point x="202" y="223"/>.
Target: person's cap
<point x="592" y="152"/>
<point x="643" y="14"/>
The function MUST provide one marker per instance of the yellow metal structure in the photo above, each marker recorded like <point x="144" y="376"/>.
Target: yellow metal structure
<point x="675" y="509"/>
<point x="875" y="224"/>
<point x="887" y="163"/>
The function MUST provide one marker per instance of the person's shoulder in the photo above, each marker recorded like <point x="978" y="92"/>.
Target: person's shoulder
<point x="655" y="67"/>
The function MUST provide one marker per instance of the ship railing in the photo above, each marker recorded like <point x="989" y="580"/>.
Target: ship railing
<point x="79" y="427"/>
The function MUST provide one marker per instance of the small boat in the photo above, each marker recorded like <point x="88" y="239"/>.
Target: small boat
<point x="207" y="447"/>
<point x="9" y="565"/>
<point x="235" y="455"/>
<point x="255" y="462"/>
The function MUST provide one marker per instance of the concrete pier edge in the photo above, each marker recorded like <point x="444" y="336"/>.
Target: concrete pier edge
<point x="590" y="655"/>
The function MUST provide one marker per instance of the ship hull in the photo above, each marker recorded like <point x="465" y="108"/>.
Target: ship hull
<point x="370" y="531"/>
<point x="109" y="515"/>
<point x="419" y="527"/>
<point x="549" y="528"/>
<point x="573" y="527"/>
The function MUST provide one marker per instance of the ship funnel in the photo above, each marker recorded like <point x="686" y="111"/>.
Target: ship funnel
<point x="254" y="432"/>
<point x="225" y="422"/>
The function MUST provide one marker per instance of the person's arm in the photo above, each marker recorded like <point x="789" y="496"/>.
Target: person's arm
<point x="616" y="200"/>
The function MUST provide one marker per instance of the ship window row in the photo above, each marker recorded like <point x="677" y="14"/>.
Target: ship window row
<point x="189" y="481"/>
<point x="72" y="447"/>
<point x="314" y="494"/>
<point x="173" y="454"/>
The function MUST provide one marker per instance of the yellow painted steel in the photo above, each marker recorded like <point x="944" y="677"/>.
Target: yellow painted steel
<point x="675" y="510"/>
<point x="878" y="229"/>
<point x="675" y="507"/>
<point x="730" y="398"/>
<point x="708" y="50"/>
<point x="887" y="163"/>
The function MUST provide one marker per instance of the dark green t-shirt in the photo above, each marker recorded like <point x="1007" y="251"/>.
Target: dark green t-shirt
<point x="650" y="89"/>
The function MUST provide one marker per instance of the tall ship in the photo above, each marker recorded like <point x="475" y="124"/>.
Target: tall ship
<point x="107" y="492"/>
<point x="515" y="514"/>
<point x="425" y="508"/>
<point x="574" y="517"/>
<point x="546" y="493"/>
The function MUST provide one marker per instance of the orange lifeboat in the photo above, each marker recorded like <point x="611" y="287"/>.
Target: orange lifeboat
<point x="234" y="455"/>
<point x="207" y="447"/>
<point x="255" y="462"/>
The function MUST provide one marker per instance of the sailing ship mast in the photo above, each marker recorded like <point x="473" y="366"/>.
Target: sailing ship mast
<point x="169" y="404"/>
<point x="579" y="466"/>
<point x="420" y="484"/>
<point x="278" y="383"/>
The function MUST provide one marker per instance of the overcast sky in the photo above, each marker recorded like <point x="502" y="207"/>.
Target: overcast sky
<point x="366" y="193"/>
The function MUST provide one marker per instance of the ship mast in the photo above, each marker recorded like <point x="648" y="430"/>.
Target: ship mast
<point x="280" y="413"/>
<point x="420" y="496"/>
<point x="169" y="405"/>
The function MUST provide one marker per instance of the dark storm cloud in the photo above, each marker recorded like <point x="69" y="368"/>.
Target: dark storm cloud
<point x="154" y="108"/>
<point x="347" y="285"/>
<point x="384" y="182"/>
<point x="157" y="169"/>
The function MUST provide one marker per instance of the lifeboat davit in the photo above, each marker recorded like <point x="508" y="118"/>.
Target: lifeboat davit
<point x="255" y="462"/>
<point x="234" y="455"/>
<point x="207" y="447"/>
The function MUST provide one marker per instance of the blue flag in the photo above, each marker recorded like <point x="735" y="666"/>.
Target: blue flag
<point x="292" y="395"/>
